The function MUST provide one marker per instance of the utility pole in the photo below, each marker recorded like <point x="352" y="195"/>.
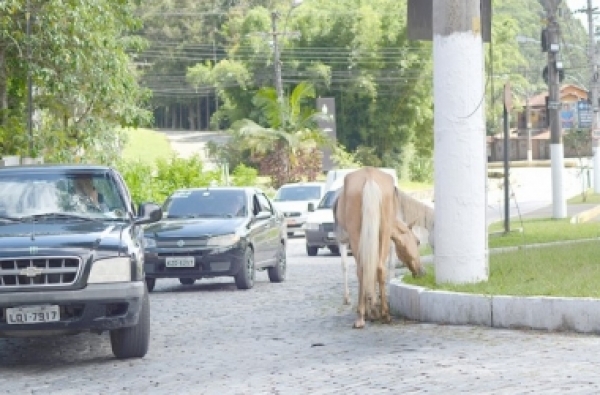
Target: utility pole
<point x="528" y="128"/>
<point x="593" y="93"/>
<point x="557" y="155"/>
<point x="29" y="87"/>
<point x="276" y="49"/>
<point x="214" y="42"/>
<point x="276" y="56"/>
<point x="461" y="254"/>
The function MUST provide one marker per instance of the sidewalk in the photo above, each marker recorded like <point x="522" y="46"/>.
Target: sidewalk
<point x="580" y="212"/>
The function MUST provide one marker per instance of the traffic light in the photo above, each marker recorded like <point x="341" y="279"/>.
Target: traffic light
<point x="544" y="40"/>
<point x="561" y="74"/>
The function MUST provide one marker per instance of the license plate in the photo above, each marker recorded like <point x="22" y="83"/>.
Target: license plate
<point x="184" y="261"/>
<point x="291" y="221"/>
<point x="32" y="314"/>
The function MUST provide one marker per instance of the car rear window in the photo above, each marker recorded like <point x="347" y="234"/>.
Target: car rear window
<point x="298" y="193"/>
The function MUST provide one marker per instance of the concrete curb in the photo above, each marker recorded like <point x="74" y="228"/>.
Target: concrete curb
<point x="512" y="312"/>
<point x="498" y="311"/>
<point x="586" y="216"/>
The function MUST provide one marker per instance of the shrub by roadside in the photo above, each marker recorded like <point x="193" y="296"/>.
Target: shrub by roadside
<point x="155" y="182"/>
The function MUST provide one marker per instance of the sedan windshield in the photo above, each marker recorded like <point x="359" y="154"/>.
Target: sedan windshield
<point x="206" y="203"/>
<point x="298" y="193"/>
<point x="65" y="196"/>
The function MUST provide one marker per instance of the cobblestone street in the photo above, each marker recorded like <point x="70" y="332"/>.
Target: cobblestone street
<point x="296" y="338"/>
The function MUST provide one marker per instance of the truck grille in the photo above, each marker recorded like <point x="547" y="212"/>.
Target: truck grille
<point x="38" y="272"/>
<point x="327" y="227"/>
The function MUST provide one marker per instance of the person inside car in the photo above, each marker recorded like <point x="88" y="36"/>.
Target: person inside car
<point x="86" y="191"/>
<point x="236" y="206"/>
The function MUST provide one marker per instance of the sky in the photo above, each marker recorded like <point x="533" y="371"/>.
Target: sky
<point x="578" y="4"/>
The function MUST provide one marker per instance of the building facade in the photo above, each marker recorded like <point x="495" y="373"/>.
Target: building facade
<point x="575" y="113"/>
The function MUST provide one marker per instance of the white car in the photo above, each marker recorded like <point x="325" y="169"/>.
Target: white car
<point x="319" y="227"/>
<point x="293" y="200"/>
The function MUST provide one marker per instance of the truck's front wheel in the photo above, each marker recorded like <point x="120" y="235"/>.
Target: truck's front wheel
<point x="133" y="342"/>
<point x="150" y="283"/>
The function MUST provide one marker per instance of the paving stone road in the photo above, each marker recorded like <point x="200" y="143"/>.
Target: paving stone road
<point x="296" y="338"/>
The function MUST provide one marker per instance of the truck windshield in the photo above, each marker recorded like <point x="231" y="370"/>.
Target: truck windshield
<point x="328" y="199"/>
<point x="93" y="195"/>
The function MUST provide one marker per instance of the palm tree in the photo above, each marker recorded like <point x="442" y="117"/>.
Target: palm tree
<point x="283" y="130"/>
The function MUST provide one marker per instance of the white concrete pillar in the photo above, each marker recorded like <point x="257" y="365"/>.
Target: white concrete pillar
<point x="461" y="254"/>
<point x="557" y="165"/>
<point x="596" y="171"/>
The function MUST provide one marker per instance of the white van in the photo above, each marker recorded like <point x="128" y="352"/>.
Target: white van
<point x="318" y="229"/>
<point x="293" y="199"/>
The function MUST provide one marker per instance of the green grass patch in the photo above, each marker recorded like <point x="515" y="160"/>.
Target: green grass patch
<point x="535" y="163"/>
<point x="570" y="270"/>
<point x="411" y="186"/>
<point x="591" y="197"/>
<point x="533" y="231"/>
<point x="146" y="145"/>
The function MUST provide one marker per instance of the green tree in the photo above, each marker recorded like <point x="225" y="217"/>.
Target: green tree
<point x="282" y="132"/>
<point x="85" y="85"/>
<point x="344" y="159"/>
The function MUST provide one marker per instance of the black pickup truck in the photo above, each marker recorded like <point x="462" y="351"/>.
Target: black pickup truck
<point x="72" y="255"/>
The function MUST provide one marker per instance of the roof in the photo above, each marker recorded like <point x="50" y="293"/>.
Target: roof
<point x="307" y="183"/>
<point x="52" y="168"/>
<point x="219" y="188"/>
<point x="539" y="100"/>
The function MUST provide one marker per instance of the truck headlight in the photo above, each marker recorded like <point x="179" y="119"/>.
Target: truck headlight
<point x="111" y="270"/>
<point x="311" y="226"/>
<point x="223" y="241"/>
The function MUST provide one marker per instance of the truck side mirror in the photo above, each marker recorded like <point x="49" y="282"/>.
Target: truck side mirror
<point x="311" y="207"/>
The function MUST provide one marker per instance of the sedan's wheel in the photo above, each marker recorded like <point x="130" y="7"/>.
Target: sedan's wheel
<point x="277" y="272"/>
<point x="187" y="281"/>
<point x="150" y="283"/>
<point x="245" y="277"/>
<point x="133" y="341"/>
<point x="312" y="251"/>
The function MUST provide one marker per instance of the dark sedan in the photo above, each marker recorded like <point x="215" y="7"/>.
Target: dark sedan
<point x="216" y="232"/>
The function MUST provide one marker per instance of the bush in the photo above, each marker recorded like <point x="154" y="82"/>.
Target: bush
<point x="244" y="176"/>
<point x="421" y="170"/>
<point x="149" y="183"/>
<point x="138" y="177"/>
